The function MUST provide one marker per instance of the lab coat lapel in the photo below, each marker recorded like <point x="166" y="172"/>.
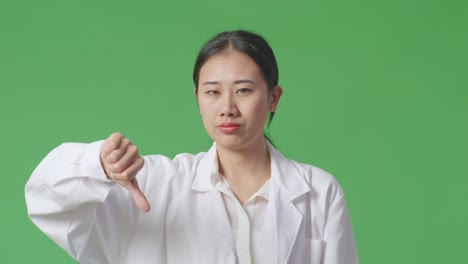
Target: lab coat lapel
<point x="282" y="218"/>
<point x="211" y="200"/>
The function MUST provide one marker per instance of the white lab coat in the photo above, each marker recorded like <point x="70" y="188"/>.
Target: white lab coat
<point x="95" y="221"/>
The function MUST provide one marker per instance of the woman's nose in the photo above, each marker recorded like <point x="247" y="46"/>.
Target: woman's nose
<point x="229" y="107"/>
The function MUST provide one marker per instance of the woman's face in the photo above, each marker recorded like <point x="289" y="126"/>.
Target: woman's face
<point x="234" y="100"/>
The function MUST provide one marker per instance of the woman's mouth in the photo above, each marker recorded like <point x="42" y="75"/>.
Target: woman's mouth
<point x="229" y="127"/>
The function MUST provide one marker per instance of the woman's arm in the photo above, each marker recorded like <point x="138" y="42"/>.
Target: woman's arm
<point x="340" y="245"/>
<point x="70" y="198"/>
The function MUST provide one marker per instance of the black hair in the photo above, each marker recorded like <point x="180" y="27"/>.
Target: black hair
<point x="251" y="44"/>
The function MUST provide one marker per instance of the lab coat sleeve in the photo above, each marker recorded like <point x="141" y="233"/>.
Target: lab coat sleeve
<point x="70" y="199"/>
<point x="340" y="246"/>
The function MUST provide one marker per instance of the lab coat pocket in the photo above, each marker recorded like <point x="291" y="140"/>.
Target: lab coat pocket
<point x="310" y="251"/>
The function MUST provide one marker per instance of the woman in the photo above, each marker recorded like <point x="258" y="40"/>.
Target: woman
<point x="240" y="202"/>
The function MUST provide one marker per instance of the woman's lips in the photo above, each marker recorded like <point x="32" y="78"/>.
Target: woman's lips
<point x="229" y="127"/>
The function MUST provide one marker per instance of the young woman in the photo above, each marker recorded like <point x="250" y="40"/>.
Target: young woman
<point x="240" y="202"/>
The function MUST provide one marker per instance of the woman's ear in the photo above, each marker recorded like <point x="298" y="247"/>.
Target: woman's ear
<point x="275" y="97"/>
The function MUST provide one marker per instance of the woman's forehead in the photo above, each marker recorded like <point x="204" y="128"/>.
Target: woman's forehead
<point x="230" y="66"/>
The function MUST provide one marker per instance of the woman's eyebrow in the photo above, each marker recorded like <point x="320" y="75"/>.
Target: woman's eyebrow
<point x="211" y="83"/>
<point x="243" y="81"/>
<point x="235" y="82"/>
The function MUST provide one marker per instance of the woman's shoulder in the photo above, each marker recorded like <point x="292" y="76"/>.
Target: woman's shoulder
<point x="310" y="173"/>
<point x="179" y="160"/>
<point x="303" y="176"/>
<point x="189" y="160"/>
<point x="313" y="172"/>
<point x="319" y="180"/>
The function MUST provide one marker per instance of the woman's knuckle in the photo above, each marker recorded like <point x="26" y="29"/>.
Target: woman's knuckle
<point x="112" y="145"/>
<point x="133" y="149"/>
<point x="117" y="167"/>
<point x="125" y="175"/>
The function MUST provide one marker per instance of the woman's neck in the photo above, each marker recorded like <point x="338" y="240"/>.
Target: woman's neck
<point x="245" y="170"/>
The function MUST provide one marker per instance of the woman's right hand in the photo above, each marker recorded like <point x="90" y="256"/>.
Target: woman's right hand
<point x="121" y="163"/>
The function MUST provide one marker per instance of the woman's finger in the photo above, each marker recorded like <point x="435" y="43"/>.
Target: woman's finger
<point x="131" y="171"/>
<point x="138" y="196"/>
<point x="110" y="144"/>
<point x="127" y="158"/>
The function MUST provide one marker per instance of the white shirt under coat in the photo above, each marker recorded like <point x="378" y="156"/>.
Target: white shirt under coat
<point x="305" y="218"/>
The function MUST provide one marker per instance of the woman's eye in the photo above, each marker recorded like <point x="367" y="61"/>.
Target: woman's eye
<point x="212" y="92"/>
<point x="243" y="90"/>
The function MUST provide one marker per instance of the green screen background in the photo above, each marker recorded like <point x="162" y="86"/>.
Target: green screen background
<point x="375" y="92"/>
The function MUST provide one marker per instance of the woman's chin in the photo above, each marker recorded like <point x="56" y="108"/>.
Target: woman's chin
<point x="236" y="142"/>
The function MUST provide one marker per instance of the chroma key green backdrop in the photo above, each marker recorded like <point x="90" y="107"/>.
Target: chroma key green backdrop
<point x="375" y="92"/>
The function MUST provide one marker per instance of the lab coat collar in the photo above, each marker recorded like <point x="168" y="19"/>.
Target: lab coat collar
<point x="206" y="169"/>
<point x="283" y="173"/>
<point x="286" y="175"/>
